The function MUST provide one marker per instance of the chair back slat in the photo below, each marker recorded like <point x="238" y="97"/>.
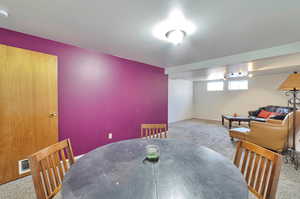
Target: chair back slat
<point x="63" y="158"/>
<point x="45" y="177"/>
<point x="260" y="173"/>
<point x="250" y="165"/>
<point x="59" y="165"/>
<point x="265" y="178"/>
<point x="146" y="132"/>
<point x="254" y="173"/>
<point x="260" y="167"/>
<point x="238" y="155"/>
<point x="244" y="161"/>
<point x="54" y="168"/>
<point x="151" y="133"/>
<point x="49" y="172"/>
<point x="70" y="153"/>
<point x="48" y="167"/>
<point x="154" y="131"/>
<point x="160" y="133"/>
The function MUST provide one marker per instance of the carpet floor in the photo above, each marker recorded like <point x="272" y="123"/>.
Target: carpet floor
<point x="201" y="133"/>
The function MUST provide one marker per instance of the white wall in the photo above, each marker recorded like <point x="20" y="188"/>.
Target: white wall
<point x="262" y="91"/>
<point x="180" y="100"/>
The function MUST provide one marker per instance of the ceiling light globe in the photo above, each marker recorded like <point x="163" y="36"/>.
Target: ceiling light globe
<point x="3" y="13"/>
<point x="175" y="36"/>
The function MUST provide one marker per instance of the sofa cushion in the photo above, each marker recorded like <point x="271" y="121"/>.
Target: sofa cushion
<point x="278" y="117"/>
<point x="270" y="108"/>
<point x="283" y="110"/>
<point x="273" y="114"/>
<point x="278" y="109"/>
<point x="254" y="113"/>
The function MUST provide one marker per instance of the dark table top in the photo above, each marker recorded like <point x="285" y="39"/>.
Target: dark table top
<point x="184" y="171"/>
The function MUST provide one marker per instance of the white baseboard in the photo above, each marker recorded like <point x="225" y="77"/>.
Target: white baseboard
<point x="79" y="156"/>
<point x="170" y="122"/>
<point x="205" y="119"/>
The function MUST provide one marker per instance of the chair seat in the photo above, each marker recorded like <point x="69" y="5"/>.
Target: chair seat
<point x="239" y="133"/>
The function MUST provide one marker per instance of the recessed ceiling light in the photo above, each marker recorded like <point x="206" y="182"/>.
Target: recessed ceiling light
<point x="174" y="28"/>
<point x="3" y="13"/>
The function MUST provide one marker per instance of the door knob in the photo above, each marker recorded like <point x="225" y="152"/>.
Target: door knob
<point x="52" y="115"/>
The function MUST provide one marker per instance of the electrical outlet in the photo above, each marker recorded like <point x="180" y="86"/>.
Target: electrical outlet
<point x="109" y="135"/>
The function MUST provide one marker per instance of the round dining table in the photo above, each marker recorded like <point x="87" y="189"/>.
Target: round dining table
<point x="184" y="171"/>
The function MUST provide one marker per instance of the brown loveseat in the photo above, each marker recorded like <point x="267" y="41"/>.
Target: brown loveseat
<point x="272" y="134"/>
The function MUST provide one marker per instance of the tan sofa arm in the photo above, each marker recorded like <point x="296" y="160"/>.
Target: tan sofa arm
<point x="265" y="129"/>
<point x="265" y="124"/>
<point x="269" y="135"/>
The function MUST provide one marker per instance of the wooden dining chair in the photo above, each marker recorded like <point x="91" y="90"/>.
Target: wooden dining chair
<point x="260" y="167"/>
<point x="154" y="131"/>
<point x="48" y="167"/>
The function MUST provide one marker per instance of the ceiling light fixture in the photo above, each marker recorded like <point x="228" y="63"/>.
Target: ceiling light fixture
<point x="174" y="29"/>
<point x="236" y="75"/>
<point x="3" y="13"/>
<point x="175" y="36"/>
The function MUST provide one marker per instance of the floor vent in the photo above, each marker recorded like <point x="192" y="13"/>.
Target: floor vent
<point x="24" y="166"/>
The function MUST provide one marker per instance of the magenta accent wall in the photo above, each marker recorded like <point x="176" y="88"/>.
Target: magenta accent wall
<point x="99" y="93"/>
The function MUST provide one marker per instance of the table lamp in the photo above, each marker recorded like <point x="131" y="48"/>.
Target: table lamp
<point x="292" y="86"/>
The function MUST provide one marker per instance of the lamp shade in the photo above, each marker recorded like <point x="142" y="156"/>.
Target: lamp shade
<point x="291" y="83"/>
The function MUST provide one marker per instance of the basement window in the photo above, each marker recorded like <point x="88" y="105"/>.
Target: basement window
<point x="238" y="85"/>
<point x="215" y="86"/>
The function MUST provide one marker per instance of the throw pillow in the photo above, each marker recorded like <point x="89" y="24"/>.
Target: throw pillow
<point x="273" y="114"/>
<point x="264" y="114"/>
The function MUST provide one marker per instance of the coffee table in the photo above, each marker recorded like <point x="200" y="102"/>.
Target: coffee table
<point x="238" y="119"/>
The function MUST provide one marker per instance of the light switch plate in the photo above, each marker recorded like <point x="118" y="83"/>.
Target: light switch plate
<point x="109" y="135"/>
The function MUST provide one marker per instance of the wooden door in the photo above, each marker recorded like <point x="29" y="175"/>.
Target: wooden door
<point x="28" y="106"/>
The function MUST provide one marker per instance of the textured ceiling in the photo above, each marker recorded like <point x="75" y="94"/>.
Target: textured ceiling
<point x="124" y="27"/>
